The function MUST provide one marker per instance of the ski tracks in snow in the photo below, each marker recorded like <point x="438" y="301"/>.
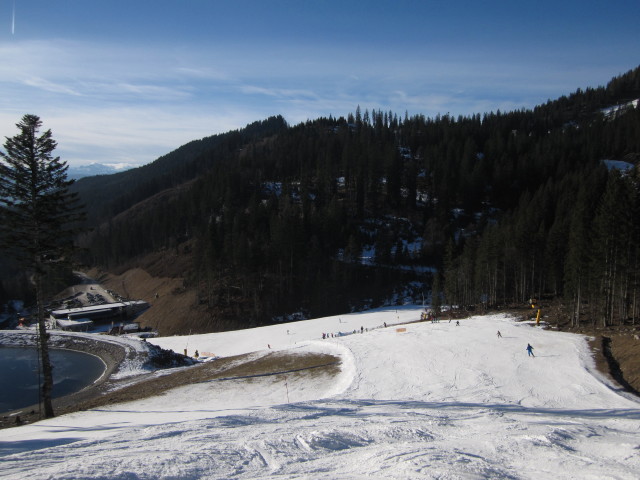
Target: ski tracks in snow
<point x="433" y="401"/>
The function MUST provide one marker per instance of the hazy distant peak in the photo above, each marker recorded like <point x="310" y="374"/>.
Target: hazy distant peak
<point x="92" y="169"/>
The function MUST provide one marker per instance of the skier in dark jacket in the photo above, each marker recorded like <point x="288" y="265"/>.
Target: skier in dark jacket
<point x="530" y="350"/>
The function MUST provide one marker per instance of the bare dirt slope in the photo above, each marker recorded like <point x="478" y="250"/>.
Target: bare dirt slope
<point x="161" y="280"/>
<point x="625" y="357"/>
<point x="173" y="307"/>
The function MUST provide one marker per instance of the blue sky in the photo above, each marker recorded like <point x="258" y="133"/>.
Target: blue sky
<point x="127" y="81"/>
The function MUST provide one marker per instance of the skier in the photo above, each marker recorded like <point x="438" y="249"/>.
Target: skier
<point x="457" y="323"/>
<point x="530" y="350"/>
<point x="499" y="334"/>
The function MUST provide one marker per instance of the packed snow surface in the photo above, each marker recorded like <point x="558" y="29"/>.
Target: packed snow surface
<point x="435" y="400"/>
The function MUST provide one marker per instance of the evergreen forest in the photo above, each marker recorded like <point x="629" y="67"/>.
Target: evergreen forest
<point x="342" y="213"/>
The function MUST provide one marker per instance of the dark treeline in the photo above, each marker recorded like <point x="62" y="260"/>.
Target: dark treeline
<point x="505" y="206"/>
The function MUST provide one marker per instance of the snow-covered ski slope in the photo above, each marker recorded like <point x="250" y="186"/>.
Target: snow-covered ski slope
<point x="435" y="401"/>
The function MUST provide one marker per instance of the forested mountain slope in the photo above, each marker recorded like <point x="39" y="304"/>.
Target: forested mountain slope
<point x="340" y="213"/>
<point x="108" y="195"/>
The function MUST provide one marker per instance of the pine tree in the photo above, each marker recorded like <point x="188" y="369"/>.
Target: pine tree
<point x="39" y="217"/>
<point x="614" y="242"/>
<point x="450" y="274"/>
<point x="436" y="293"/>
<point x="576" y="266"/>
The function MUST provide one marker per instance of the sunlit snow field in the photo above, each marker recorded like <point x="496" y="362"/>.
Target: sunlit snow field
<point x="437" y="400"/>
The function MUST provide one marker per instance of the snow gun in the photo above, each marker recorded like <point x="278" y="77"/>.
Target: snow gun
<point x="534" y="302"/>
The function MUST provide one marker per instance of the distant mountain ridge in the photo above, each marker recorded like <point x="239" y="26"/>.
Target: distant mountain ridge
<point x="80" y="171"/>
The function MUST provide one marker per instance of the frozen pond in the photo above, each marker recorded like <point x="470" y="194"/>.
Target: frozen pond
<point x="72" y="371"/>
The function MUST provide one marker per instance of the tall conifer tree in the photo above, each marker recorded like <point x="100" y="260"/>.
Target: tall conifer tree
<point x="39" y="217"/>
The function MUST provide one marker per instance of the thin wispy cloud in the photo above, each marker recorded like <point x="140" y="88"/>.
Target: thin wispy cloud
<point x="131" y="88"/>
<point x="281" y="93"/>
<point x="48" y="86"/>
